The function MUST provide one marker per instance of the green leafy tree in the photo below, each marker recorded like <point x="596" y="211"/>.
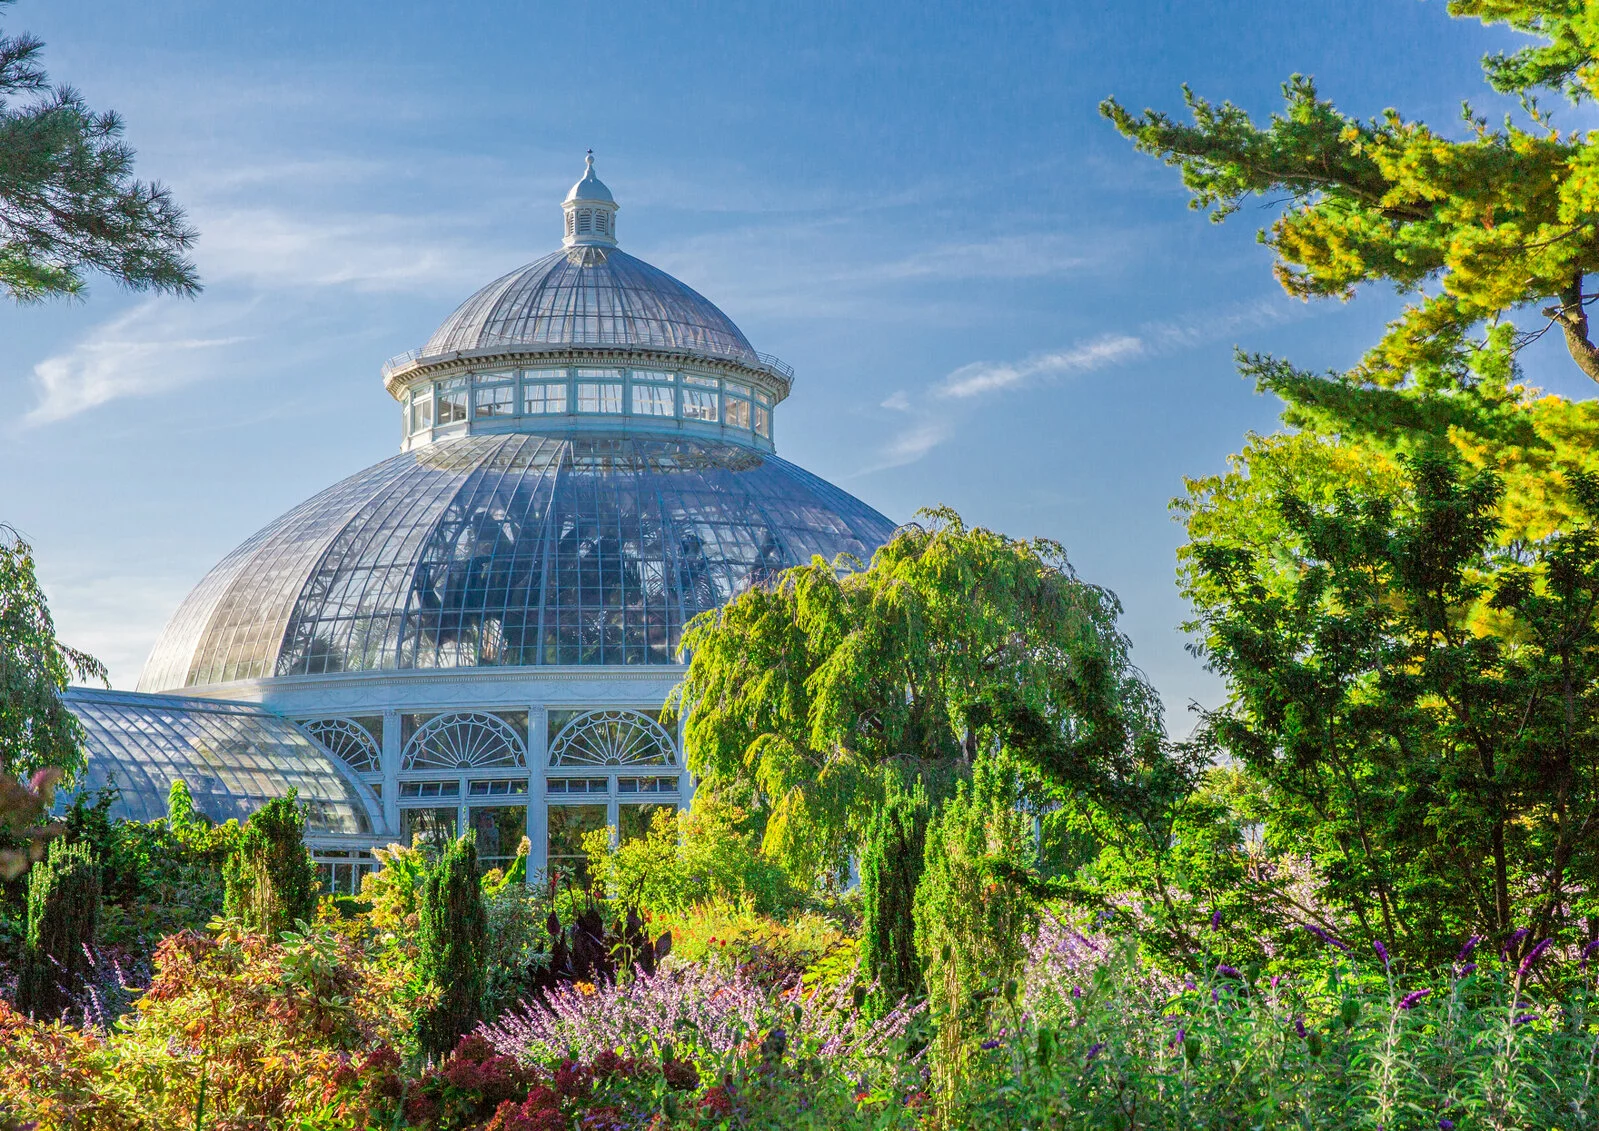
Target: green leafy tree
<point x="452" y="925"/>
<point x="806" y="697"/>
<point x="269" y="880"/>
<point x="891" y="868"/>
<point x="1492" y="225"/>
<point x="68" y="199"/>
<point x="63" y="910"/>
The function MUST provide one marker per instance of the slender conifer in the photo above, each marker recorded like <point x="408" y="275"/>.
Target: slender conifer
<point x="270" y="881"/>
<point x="451" y="935"/>
<point x="63" y="913"/>
<point x="890" y="870"/>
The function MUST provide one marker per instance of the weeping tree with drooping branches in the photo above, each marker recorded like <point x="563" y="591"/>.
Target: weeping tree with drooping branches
<point x="807" y="699"/>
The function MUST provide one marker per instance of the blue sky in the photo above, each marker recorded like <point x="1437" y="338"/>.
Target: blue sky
<point x="992" y="302"/>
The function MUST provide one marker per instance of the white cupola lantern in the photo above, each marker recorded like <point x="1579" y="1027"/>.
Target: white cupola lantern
<point x="590" y="211"/>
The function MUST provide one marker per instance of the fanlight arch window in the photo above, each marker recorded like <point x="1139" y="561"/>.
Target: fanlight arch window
<point x="470" y="741"/>
<point x="613" y="738"/>
<point x="349" y="740"/>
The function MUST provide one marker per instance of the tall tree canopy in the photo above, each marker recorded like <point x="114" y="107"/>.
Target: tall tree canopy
<point x="1401" y="591"/>
<point x="68" y="200"/>
<point x="1499" y="223"/>
<point x="805" y="696"/>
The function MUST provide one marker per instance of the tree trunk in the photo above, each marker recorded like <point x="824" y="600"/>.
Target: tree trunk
<point x="1573" y="319"/>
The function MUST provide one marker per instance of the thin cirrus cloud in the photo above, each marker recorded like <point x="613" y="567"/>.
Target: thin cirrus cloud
<point x="157" y="346"/>
<point x="929" y="421"/>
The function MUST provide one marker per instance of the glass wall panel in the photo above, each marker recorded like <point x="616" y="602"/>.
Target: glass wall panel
<point x="633" y="821"/>
<point x="436" y="825"/>
<point x="699" y="404"/>
<point x="543" y="398"/>
<point x="422" y="414"/>
<point x="597" y="397"/>
<point x="763" y="421"/>
<point x="500" y="830"/>
<point x="451" y="398"/>
<point x="496" y="400"/>
<point x="660" y="376"/>
<point x="567" y="826"/>
<point x="652" y="400"/>
<point x="738" y="413"/>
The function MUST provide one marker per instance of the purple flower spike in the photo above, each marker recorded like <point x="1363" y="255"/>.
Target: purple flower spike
<point x="1413" y="999"/>
<point x="1275" y="978"/>
<point x="1446" y="1125"/>
<point x="1094" y="1049"/>
<point x="1532" y="956"/>
<point x="1466" y="969"/>
<point x="1586" y="951"/>
<point x="1471" y="945"/>
<point x="1215" y="920"/>
<point x="1229" y="971"/>
<point x="1299" y="1027"/>
<point x="1324" y="936"/>
<point x="991" y="1044"/>
<point x="1077" y="991"/>
<point x="1513" y="941"/>
<point x="1526" y="1017"/>
<point x="1382" y="951"/>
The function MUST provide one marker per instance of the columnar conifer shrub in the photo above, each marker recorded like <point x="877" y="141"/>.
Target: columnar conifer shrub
<point x="63" y="910"/>
<point x="972" y="917"/>
<point x="890" y="870"/>
<point x="270" y="879"/>
<point x="451" y="935"/>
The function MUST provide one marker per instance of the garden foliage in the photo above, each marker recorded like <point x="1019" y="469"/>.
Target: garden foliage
<point x="63" y="912"/>
<point x="891" y="868"/>
<point x="270" y="881"/>
<point x="451" y="941"/>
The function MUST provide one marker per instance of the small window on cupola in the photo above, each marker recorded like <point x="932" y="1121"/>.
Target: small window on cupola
<point x="585" y="220"/>
<point x="571" y="223"/>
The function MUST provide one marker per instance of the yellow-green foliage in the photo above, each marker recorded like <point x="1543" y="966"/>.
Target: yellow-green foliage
<point x="688" y="857"/>
<point x="735" y="935"/>
<point x="392" y="889"/>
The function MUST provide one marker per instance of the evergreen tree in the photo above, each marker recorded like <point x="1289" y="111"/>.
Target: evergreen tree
<point x="451" y="935"/>
<point x="63" y="913"/>
<point x="974" y="912"/>
<point x="890" y="869"/>
<point x="270" y="881"/>
<point x="68" y="200"/>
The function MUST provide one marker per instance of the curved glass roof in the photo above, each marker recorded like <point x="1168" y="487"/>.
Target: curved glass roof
<point x="590" y="296"/>
<point x="235" y="758"/>
<point x="507" y="549"/>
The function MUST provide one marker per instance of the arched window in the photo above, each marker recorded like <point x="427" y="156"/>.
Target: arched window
<point x="613" y="738"/>
<point x="474" y="740"/>
<point x="349" y="740"/>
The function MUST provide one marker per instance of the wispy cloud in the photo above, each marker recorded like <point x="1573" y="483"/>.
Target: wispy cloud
<point x="990" y="377"/>
<point x="160" y="344"/>
<point x="926" y="422"/>
<point x="1152" y="339"/>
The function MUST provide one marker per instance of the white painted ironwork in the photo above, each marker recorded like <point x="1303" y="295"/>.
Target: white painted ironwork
<point x="613" y="738"/>
<point x="468" y="741"/>
<point x="349" y="740"/>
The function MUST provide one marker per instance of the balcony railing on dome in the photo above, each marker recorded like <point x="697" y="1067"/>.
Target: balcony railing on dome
<point x="776" y="366"/>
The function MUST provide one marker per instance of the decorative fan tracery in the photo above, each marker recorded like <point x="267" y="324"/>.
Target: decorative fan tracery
<point x="613" y="738"/>
<point x="472" y="740"/>
<point x="349" y="740"/>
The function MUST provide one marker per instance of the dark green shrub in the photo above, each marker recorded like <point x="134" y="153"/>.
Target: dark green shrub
<point x="63" y="910"/>
<point x="269" y="880"/>
<point x="451" y="933"/>
<point x="891" y="867"/>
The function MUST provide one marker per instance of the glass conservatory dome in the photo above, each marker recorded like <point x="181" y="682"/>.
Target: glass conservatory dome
<point x="570" y="510"/>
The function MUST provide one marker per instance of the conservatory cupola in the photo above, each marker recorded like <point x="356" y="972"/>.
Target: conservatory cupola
<point x="590" y="212"/>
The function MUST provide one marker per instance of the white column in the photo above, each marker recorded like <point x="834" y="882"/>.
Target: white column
<point x="391" y="772"/>
<point x="537" y="816"/>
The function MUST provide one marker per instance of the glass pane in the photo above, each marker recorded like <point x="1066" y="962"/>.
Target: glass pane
<point x="592" y="397"/>
<point x="500" y="830"/>
<point x="451" y="398"/>
<point x="738" y="413"/>
<point x="763" y="422"/>
<point x="737" y="389"/>
<point x="422" y="414"/>
<point x="699" y="405"/>
<point x="633" y="821"/>
<point x="497" y="401"/>
<point x="708" y="382"/>
<point x="541" y="399"/>
<point x="567" y="825"/>
<point x="652" y="400"/>
<point x="437" y="825"/>
<point x="663" y="375"/>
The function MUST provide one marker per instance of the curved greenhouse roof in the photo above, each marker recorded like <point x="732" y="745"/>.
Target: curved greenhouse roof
<point x="235" y="757"/>
<point x="513" y="549"/>
<point x="590" y="296"/>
